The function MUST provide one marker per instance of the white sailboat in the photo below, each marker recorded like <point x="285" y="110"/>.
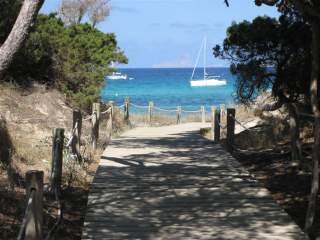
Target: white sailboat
<point x="207" y="79"/>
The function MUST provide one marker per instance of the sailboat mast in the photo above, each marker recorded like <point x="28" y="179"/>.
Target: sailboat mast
<point x="198" y="58"/>
<point x="204" y="57"/>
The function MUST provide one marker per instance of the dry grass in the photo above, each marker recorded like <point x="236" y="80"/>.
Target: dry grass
<point x="79" y="173"/>
<point x="26" y="144"/>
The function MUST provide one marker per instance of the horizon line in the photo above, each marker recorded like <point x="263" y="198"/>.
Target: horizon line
<point x="128" y="67"/>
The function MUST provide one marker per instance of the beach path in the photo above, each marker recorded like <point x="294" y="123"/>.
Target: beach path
<point x="170" y="183"/>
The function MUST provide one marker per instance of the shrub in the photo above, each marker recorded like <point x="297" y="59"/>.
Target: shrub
<point x="75" y="59"/>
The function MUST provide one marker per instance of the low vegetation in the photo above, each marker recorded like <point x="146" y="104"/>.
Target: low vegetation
<point x="74" y="58"/>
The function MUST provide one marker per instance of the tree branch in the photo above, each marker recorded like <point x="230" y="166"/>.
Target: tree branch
<point x="271" y="106"/>
<point x="266" y="2"/>
<point x="307" y="9"/>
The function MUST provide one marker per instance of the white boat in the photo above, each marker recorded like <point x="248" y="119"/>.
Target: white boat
<point x="118" y="76"/>
<point x="207" y="79"/>
<point x="207" y="82"/>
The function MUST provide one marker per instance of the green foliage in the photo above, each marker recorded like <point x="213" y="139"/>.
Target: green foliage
<point x="268" y="53"/>
<point x="75" y="59"/>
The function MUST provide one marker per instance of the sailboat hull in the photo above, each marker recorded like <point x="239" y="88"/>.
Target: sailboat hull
<point x="208" y="82"/>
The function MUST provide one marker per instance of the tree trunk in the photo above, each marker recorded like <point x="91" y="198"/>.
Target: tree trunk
<point x="271" y="106"/>
<point x="18" y="33"/>
<point x="80" y="17"/>
<point x="94" y="23"/>
<point x="316" y="111"/>
<point x="296" y="153"/>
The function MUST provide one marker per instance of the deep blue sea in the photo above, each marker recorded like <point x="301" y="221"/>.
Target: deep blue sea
<point x="169" y="88"/>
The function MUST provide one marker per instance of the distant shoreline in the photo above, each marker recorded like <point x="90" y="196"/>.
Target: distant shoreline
<point x="125" y="68"/>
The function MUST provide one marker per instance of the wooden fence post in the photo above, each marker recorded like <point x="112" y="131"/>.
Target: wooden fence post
<point x="231" y="112"/>
<point x="179" y="110"/>
<point x="34" y="221"/>
<point x="126" y="109"/>
<point x="94" y="137"/>
<point x="76" y="142"/>
<point x="203" y="114"/>
<point x="213" y="112"/>
<point x="111" y="116"/>
<point x="96" y="108"/>
<point x="95" y="124"/>
<point x="223" y="120"/>
<point x="57" y="157"/>
<point x="111" y="104"/>
<point x="223" y="113"/>
<point x="150" y="112"/>
<point x="217" y="120"/>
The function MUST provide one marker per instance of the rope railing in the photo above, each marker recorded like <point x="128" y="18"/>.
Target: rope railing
<point x="32" y="222"/>
<point x="165" y="110"/>
<point x="88" y="118"/>
<point x="186" y="111"/>
<point x="31" y="227"/>
<point x="217" y="126"/>
<point x="54" y="228"/>
<point x="243" y="126"/>
<point x="72" y="135"/>
<point x="23" y="227"/>
<point x="222" y="126"/>
<point x="74" y="142"/>
<point x="95" y="117"/>
<point x="138" y="106"/>
<point x="240" y="123"/>
<point x="107" y="111"/>
<point x="151" y="110"/>
<point x="219" y="122"/>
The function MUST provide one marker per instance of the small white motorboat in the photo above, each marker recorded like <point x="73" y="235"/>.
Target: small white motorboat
<point x="118" y="76"/>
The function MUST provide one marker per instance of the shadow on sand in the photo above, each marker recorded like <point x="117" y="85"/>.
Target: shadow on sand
<point x="184" y="187"/>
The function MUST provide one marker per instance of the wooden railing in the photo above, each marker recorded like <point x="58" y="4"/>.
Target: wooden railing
<point x="222" y="119"/>
<point x="32" y="223"/>
<point x="222" y="123"/>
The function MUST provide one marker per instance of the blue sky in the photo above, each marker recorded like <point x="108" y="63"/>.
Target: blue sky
<point x="168" y="33"/>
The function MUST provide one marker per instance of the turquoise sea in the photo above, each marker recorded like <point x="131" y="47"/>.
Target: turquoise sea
<point x="169" y="88"/>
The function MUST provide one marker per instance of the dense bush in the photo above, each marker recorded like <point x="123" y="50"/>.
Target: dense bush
<point x="268" y="53"/>
<point x="74" y="59"/>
